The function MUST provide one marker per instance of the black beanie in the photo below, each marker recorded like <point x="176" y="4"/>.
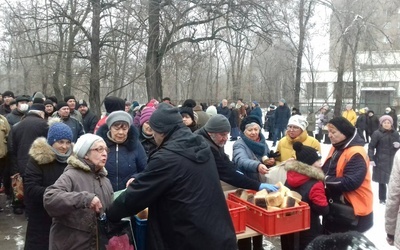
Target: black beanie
<point x="38" y="100"/>
<point x="8" y="93"/>
<point x="48" y="102"/>
<point x="249" y="119"/>
<point x="305" y="153"/>
<point x="69" y="97"/>
<point x="217" y="124"/>
<point x="61" y="104"/>
<point x="113" y="103"/>
<point x="351" y="240"/>
<point x="165" y="118"/>
<point x="343" y="125"/>
<point x="189" y="103"/>
<point x="187" y="110"/>
<point x="53" y="98"/>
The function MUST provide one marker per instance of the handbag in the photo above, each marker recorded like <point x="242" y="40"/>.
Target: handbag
<point x="17" y="187"/>
<point x="115" y="236"/>
<point x="341" y="213"/>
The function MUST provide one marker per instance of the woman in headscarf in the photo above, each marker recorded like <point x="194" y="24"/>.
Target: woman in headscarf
<point x="48" y="159"/>
<point x="127" y="156"/>
<point x="80" y="194"/>
<point x="347" y="176"/>
<point x="146" y="133"/>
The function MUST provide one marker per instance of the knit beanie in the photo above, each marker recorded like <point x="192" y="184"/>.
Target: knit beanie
<point x="81" y="103"/>
<point x="165" y="118"/>
<point x="190" y="103"/>
<point x="299" y="121"/>
<point x="47" y="102"/>
<point x="113" y="103"/>
<point x="38" y="100"/>
<point x="146" y="114"/>
<point x="187" y="110"/>
<point x="350" y="240"/>
<point x="282" y="100"/>
<point x="249" y="119"/>
<point x="58" y="131"/>
<point x="118" y="116"/>
<point x="8" y="93"/>
<point x="53" y="98"/>
<point x="69" y="97"/>
<point x="343" y="125"/>
<point x="84" y="143"/>
<point x="217" y="124"/>
<point x="384" y="118"/>
<point x="37" y="106"/>
<point x="38" y="95"/>
<point x="61" y="104"/>
<point x="152" y="103"/>
<point x="305" y="153"/>
<point x="211" y="111"/>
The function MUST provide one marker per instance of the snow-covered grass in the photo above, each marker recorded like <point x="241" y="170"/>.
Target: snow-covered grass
<point x="377" y="233"/>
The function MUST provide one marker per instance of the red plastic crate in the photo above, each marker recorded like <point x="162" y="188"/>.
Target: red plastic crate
<point x="238" y="215"/>
<point x="274" y="223"/>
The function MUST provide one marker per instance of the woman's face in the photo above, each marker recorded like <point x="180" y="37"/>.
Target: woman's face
<point x="62" y="146"/>
<point x="293" y="131"/>
<point x="119" y="131"/>
<point x="386" y="125"/>
<point x="187" y="120"/>
<point x="335" y="135"/>
<point x="147" y="129"/>
<point x="97" y="154"/>
<point x="252" y="131"/>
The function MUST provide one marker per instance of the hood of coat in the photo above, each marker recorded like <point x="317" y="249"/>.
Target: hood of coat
<point x="299" y="173"/>
<point x="41" y="151"/>
<point x="74" y="162"/>
<point x="130" y="143"/>
<point x="191" y="146"/>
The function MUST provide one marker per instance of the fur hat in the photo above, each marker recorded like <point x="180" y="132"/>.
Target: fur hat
<point x="61" y="104"/>
<point x="305" y="153"/>
<point x="299" y="121"/>
<point x="249" y="119"/>
<point x="165" y="118"/>
<point x="343" y="125"/>
<point x="384" y="118"/>
<point x="37" y="106"/>
<point x="58" y="131"/>
<point x="113" y="103"/>
<point x="217" y="124"/>
<point x="84" y="143"/>
<point x="146" y="114"/>
<point x="8" y="93"/>
<point x="69" y="97"/>
<point x="117" y="116"/>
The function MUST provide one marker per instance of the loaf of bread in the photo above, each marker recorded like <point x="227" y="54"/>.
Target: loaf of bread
<point x="274" y="199"/>
<point x="259" y="199"/>
<point x="288" y="202"/>
<point x="294" y="195"/>
<point x="241" y="193"/>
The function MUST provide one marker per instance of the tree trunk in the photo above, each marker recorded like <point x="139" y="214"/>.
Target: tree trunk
<point x="302" y="27"/>
<point x="94" y="92"/>
<point x="153" y="58"/>
<point x="339" y="84"/>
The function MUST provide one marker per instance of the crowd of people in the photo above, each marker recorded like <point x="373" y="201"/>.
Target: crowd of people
<point x="171" y="160"/>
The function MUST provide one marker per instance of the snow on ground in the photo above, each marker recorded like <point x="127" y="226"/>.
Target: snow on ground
<point x="377" y="233"/>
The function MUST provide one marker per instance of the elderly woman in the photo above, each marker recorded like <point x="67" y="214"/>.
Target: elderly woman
<point x="347" y="176"/>
<point x="146" y="133"/>
<point x="48" y="158"/>
<point x="79" y="195"/>
<point x="384" y="145"/>
<point x="127" y="156"/>
<point x="248" y="154"/>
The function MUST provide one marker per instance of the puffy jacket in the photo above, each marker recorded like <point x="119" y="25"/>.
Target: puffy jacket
<point x="124" y="160"/>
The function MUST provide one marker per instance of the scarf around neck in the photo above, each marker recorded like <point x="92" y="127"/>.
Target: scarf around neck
<point x="258" y="147"/>
<point x="62" y="158"/>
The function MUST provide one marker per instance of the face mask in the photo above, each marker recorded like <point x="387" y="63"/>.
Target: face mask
<point x="24" y="107"/>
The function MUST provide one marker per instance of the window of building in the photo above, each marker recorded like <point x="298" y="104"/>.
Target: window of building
<point x="347" y="90"/>
<point x="321" y="90"/>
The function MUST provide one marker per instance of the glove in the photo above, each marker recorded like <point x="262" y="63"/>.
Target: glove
<point x="372" y="163"/>
<point x="269" y="187"/>
<point x="390" y="239"/>
<point x="396" y="144"/>
<point x="273" y="154"/>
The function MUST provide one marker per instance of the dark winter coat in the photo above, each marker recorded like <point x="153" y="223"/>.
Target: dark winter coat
<point x="225" y="111"/>
<point x="76" y="127"/>
<point x="5" y="109"/>
<point x="282" y="115"/>
<point x="23" y="135"/>
<point x="89" y="121"/>
<point x="42" y="170"/>
<point x="15" y="116"/>
<point x="181" y="187"/>
<point x="124" y="160"/>
<point x="372" y="124"/>
<point x="382" y="151"/>
<point x="361" y="122"/>
<point x="149" y="144"/>
<point x="68" y="202"/>
<point x="226" y="168"/>
<point x="269" y="122"/>
<point x="234" y="118"/>
<point x="257" y="112"/>
<point x="308" y="181"/>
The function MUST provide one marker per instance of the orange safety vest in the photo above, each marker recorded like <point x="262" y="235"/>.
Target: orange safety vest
<point x="361" y="198"/>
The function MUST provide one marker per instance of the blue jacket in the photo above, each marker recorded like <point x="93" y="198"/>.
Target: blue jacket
<point x="282" y="115"/>
<point x="124" y="160"/>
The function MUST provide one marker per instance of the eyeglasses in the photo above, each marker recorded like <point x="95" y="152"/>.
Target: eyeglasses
<point x="100" y="149"/>
<point x="294" y="128"/>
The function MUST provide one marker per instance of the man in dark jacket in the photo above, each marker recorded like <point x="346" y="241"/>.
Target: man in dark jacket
<point x="282" y="115"/>
<point x="181" y="187"/>
<point x="372" y="124"/>
<point x="269" y="122"/>
<point x="89" y="119"/>
<point x="223" y="109"/>
<point x="63" y="112"/>
<point x="22" y="107"/>
<point x="5" y="109"/>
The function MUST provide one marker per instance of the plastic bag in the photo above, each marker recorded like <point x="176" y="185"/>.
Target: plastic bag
<point x="17" y="187"/>
<point x="115" y="236"/>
